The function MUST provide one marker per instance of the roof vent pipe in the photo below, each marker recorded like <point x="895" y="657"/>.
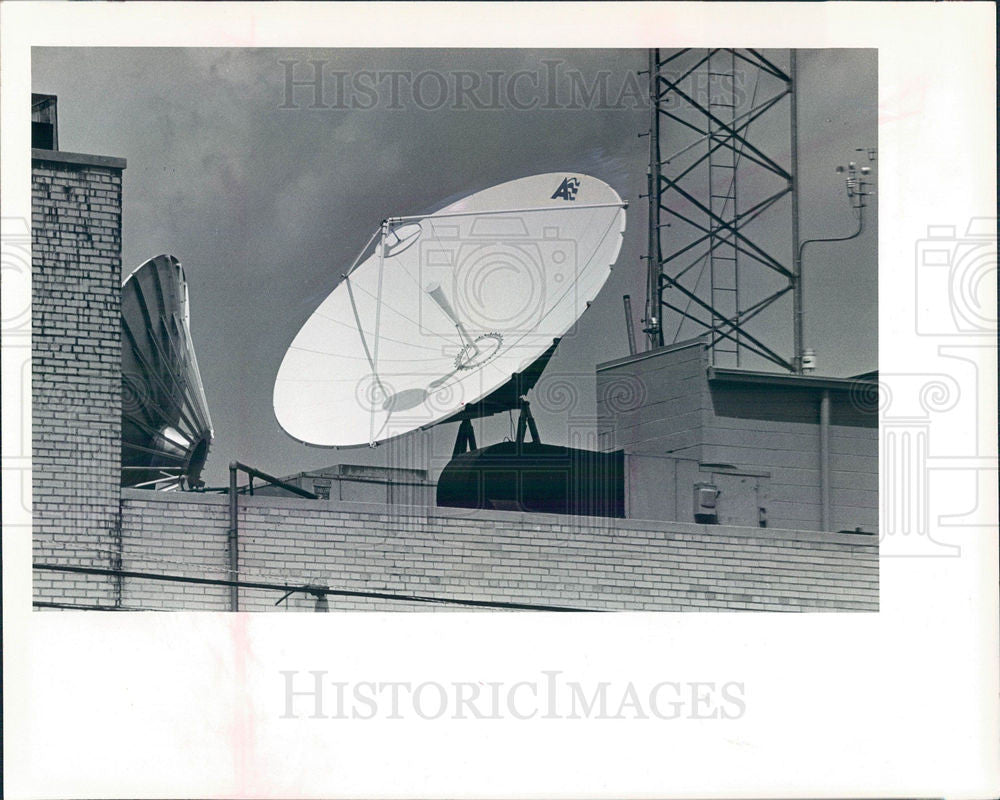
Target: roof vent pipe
<point x="808" y="360"/>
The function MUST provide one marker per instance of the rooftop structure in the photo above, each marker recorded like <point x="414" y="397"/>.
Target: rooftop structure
<point x="740" y="447"/>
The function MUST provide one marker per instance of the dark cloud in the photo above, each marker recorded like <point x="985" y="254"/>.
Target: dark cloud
<point x="266" y="206"/>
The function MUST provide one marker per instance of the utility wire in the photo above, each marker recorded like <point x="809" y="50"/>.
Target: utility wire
<point x="311" y="589"/>
<point x="89" y="606"/>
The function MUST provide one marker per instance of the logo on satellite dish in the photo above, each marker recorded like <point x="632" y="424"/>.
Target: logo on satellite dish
<point x="567" y="189"/>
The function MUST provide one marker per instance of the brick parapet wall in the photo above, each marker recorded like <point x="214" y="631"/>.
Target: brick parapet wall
<point x="76" y="369"/>
<point x="499" y="556"/>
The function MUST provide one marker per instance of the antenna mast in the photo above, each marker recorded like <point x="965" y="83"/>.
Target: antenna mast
<point x="706" y="102"/>
<point x="654" y="253"/>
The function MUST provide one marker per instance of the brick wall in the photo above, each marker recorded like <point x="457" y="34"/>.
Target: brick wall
<point x="76" y="368"/>
<point x="494" y="555"/>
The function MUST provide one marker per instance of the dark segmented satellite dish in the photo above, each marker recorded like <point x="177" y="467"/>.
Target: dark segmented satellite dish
<point x="166" y="427"/>
<point x="440" y="311"/>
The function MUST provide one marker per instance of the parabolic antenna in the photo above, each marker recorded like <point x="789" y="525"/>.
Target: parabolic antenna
<point x="166" y="428"/>
<point x="439" y="311"/>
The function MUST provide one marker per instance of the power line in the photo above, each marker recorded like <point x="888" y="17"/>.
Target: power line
<point x="309" y="588"/>
<point x="81" y="606"/>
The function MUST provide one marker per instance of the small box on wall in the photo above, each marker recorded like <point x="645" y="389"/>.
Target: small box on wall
<point x="706" y="497"/>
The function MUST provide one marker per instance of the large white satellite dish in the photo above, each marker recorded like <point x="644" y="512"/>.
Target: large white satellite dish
<point x="446" y="308"/>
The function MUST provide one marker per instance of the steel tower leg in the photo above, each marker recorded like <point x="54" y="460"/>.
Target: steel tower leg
<point x="705" y="104"/>
<point x="798" y="329"/>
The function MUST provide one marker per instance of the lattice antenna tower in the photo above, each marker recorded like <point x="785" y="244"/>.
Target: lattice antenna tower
<point x="712" y="265"/>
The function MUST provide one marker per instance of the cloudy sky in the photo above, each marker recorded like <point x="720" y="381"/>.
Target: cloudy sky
<point x="266" y="196"/>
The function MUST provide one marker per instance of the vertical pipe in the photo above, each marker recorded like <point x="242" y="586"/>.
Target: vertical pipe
<point x="378" y="321"/>
<point x="117" y="557"/>
<point x="654" y="138"/>
<point x="798" y="338"/>
<point x="629" y="327"/>
<point x="234" y="564"/>
<point x="652" y="295"/>
<point x="736" y="204"/>
<point x="824" y="459"/>
<point x="654" y="324"/>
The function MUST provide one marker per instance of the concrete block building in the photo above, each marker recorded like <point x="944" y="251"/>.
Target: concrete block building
<point x="394" y="486"/>
<point x="776" y="450"/>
